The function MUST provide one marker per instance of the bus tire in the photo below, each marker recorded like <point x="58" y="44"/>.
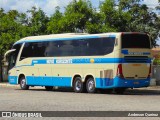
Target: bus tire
<point x="78" y="85"/>
<point x="90" y="85"/>
<point x="49" y="88"/>
<point x="23" y="84"/>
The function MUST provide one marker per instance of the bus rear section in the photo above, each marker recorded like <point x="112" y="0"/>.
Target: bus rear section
<point x="134" y="68"/>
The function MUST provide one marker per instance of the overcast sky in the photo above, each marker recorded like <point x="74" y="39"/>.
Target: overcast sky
<point x="48" y="6"/>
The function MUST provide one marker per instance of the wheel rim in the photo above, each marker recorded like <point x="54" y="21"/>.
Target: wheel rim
<point x="91" y="85"/>
<point x="23" y="82"/>
<point x="78" y="85"/>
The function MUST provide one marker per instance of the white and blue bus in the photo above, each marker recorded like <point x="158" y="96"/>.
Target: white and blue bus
<point x="85" y="62"/>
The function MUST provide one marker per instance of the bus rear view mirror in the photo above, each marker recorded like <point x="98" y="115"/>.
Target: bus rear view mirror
<point x="7" y="53"/>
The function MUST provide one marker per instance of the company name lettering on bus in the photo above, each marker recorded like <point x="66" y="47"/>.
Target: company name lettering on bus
<point x="135" y="53"/>
<point x="50" y="61"/>
<point x="64" y="61"/>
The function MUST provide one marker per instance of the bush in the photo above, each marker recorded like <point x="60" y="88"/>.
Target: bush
<point x="157" y="60"/>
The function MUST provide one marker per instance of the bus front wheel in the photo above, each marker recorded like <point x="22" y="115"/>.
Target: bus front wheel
<point x="23" y="84"/>
<point x="90" y="86"/>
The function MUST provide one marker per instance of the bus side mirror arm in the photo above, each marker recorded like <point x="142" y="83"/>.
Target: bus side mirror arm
<point x="7" y="53"/>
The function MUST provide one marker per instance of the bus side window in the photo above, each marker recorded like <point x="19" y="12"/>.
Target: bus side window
<point x="80" y="48"/>
<point x="52" y="49"/>
<point x="39" y="49"/>
<point x="93" y="45"/>
<point x="67" y="49"/>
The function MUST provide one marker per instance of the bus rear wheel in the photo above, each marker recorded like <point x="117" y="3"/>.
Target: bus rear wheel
<point x="49" y="88"/>
<point x="23" y="84"/>
<point x="78" y="85"/>
<point x="90" y="85"/>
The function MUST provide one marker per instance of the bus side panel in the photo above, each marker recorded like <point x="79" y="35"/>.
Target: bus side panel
<point x="31" y="73"/>
<point x="12" y="77"/>
<point x="47" y="76"/>
<point x="60" y="76"/>
<point x="104" y="77"/>
<point x="75" y="70"/>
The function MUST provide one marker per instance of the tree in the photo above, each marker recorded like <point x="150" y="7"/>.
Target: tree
<point x="8" y="32"/>
<point x="37" y="22"/>
<point x="95" y="23"/>
<point x="75" y="18"/>
<point x="8" y="29"/>
<point x="55" y="23"/>
<point x="76" y="15"/>
<point x="129" y="16"/>
<point x="110" y="15"/>
<point x="142" y="19"/>
<point x="158" y="21"/>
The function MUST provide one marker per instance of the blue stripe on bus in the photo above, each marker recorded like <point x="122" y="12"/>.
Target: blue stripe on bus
<point x="49" y="81"/>
<point x="62" y="39"/>
<point x="12" y="79"/>
<point x="103" y="83"/>
<point x="88" y="61"/>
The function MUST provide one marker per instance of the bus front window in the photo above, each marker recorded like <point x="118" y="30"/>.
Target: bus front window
<point x="11" y="60"/>
<point x="12" y="57"/>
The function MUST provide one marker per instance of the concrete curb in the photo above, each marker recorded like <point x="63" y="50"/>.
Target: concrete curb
<point x="8" y="85"/>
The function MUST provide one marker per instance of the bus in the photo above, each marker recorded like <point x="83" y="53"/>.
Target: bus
<point x="85" y="62"/>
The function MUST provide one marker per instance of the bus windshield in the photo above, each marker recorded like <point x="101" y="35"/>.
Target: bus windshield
<point x="13" y="56"/>
<point x="135" y="41"/>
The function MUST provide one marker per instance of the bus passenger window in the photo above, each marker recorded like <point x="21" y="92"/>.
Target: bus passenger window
<point x="52" y="49"/>
<point x="67" y="49"/>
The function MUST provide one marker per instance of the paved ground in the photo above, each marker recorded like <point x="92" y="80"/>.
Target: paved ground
<point x="37" y="99"/>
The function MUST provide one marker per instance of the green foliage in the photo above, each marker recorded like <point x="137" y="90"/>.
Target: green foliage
<point x="156" y="62"/>
<point x="37" y="22"/>
<point x="9" y="30"/>
<point x="157" y="59"/>
<point x="79" y="16"/>
<point x="55" y="23"/>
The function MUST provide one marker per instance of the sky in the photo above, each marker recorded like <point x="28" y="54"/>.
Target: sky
<point x="48" y="6"/>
